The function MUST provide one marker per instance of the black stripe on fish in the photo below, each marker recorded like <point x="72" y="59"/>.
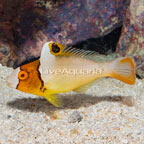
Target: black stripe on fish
<point x="42" y="88"/>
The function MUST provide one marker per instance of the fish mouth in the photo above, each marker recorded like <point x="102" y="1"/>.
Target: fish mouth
<point x="12" y="80"/>
<point x="11" y="85"/>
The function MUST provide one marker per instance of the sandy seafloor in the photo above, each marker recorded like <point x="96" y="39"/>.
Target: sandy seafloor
<point x="112" y="113"/>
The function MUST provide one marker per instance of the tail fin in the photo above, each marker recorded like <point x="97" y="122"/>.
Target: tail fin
<point x="124" y="70"/>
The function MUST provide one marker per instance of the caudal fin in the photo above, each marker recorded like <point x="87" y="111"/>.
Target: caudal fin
<point x="123" y="69"/>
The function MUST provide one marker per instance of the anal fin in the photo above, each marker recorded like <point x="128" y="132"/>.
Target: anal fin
<point x="84" y="88"/>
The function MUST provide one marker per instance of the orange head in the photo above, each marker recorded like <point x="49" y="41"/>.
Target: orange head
<point x="26" y="78"/>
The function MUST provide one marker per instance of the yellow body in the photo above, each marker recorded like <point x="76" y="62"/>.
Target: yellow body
<point x="70" y="73"/>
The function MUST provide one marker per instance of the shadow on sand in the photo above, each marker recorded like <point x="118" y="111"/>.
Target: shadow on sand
<point x="70" y="102"/>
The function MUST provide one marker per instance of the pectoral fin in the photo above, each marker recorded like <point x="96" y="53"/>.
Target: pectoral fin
<point x="55" y="100"/>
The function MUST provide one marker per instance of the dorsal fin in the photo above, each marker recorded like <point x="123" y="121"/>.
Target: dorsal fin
<point x="91" y="55"/>
<point x="57" y="49"/>
<point x="47" y="52"/>
<point x="70" y="51"/>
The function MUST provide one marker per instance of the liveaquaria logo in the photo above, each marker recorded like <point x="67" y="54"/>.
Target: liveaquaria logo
<point x="70" y="71"/>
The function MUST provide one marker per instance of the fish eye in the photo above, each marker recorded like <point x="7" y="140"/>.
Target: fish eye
<point x="55" y="48"/>
<point x="23" y="75"/>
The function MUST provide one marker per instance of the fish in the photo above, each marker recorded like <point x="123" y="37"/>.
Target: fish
<point x="62" y="69"/>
